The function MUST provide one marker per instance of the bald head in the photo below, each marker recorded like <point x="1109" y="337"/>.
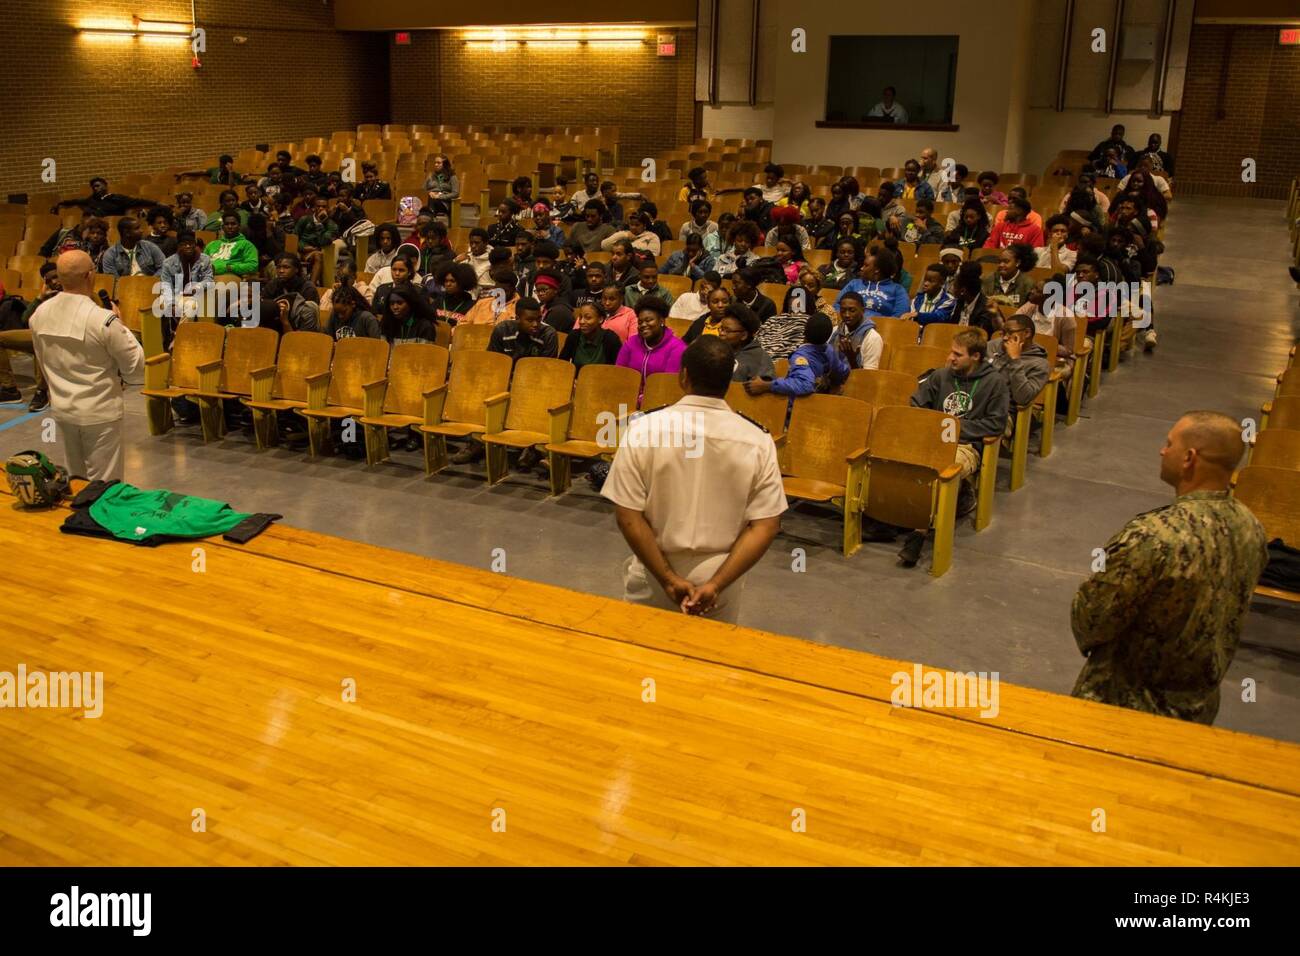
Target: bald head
<point x="75" y="269"/>
<point x="1201" y="452"/>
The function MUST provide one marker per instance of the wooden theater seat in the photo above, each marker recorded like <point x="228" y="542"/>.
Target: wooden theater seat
<point x="340" y="392"/>
<point x="175" y="374"/>
<point x="768" y="410"/>
<point x="397" y="401"/>
<point x="521" y="418"/>
<point x="1043" y="401"/>
<point x="879" y="387"/>
<point x="1281" y="413"/>
<point x="471" y="338"/>
<point x="661" y="388"/>
<point x="825" y="457"/>
<point x="1276" y="448"/>
<point x="605" y="394"/>
<point x="282" y="387"/>
<point x="458" y="408"/>
<point x="1273" y="496"/>
<point x="230" y="377"/>
<point x="914" y="360"/>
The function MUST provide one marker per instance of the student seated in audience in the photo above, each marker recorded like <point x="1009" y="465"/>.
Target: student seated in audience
<point x="742" y="239"/>
<point x="384" y="241"/>
<point x="775" y="184"/>
<point x="315" y="232"/>
<point x="593" y="230"/>
<point x="647" y="284"/>
<point x="716" y="243"/>
<point x="435" y="248"/>
<point x="933" y="303"/>
<point x="546" y="256"/>
<point x="101" y="202"/>
<point x="856" y="336"/>
<point x="255" y="200"/>
<point x="345" y="275"/>
<point x="1089" y="302"/>
<point x="1159" y="162"/>
<point x="478" y="256"/>
<point x="188" y="218"/>
<point x="972" y="231"/>
<point x="815" y="366"/>
<point x="1142" y="184"/>
<point x="990" y="195"/>
<point x="543" y="227"/>
<point x="1009" y="284"/>
<point x="789" y="256"/>
<point x="806" y="296"/>
<point x="892" y="215"/>
<point x="1015" y="228"/>
<point x="699" y="224"/>
<point x="401" y="271"/>
<point x="289" y="312"/>
<point x="406" y="316"/>
<point x="738" y="329"/>
<point x="1056" y="254"/>
<point x="655" y="347"/>
<point x="186" y="274"/>
<point x="591" y="343"/>
<point x="1114" y="141"/>
<point x="815" y="223"/>
<point x="594" y="279"/>
<point x="796" y="199"/>
<point x="754" y="208"/>
<point x="710" y="323"/>
<point x="1060" y="325"/>
<point x="441" y="186"/>
<point x="505" y="230"/>
<point x="843" y="268"/>
<point x="282" y="212"/>
<point x="653" y="223"/>
<point x="268" y="239"/>
<point x="619" y="317"/>
<point x="912" y="186"/>
<point x="744" y="283"/>
<point x="954" y="190"/>
<point x="131" y="254"/>
<point x="691" y="261"/>
<point x="231" y="252"/>
<point x="786" y="219"/>
<point x="229" y="202"/>
<point x="458" y="281"/>
<point x="371" y="186"/>
<point x="525" y="335"/>
<point x="350" y="316"/>
<point x="161" y="223"/>
<point x="951" y="259"/>
<point x="637" y="233"/>
<point x="1021" y="360"/>
<point x="19" y="339"/>
<point x="590" y="191"/>
<point x="972" y="305"/>
<point x="555" y="310"/>
<point x="881" y="294"/>
<point x="222" y="174"/>
<point x="694" y="304"/>
<point x="498" y="303"/>
<point x="1086" y="186"/>
<point x="346" y="210"/>
<point x="852" y="228"/>
<point x="622" y="264"/>
<point x="972" y="390"/>
<point x="697" y="181"/>
<point x="923" y="227"/>
<point x="612" y="199"/>
<point x="1111" y="165"/>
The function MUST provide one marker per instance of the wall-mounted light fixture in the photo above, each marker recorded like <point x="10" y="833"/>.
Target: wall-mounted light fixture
<point x="149" y="30"/>
<point x="503" y="38"/>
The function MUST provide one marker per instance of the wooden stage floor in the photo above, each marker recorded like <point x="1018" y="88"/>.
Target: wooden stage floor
<point x="477" y="693"/>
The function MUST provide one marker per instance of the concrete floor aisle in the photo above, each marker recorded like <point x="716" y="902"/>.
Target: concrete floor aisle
<point x="1225" y="328"/>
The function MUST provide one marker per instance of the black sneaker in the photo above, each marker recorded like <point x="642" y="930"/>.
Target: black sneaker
<point x="966" y="500"/>
<point x="911" y="551"/>
<point x="528" y="458"/>
<point x="40" y="401"/>
<point x="10" y="394"/>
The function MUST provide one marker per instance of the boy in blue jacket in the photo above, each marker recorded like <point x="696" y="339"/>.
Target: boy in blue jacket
<point x="815" y="366"/>
<point x="933" y="303"/>
<point x="881" y="295"/>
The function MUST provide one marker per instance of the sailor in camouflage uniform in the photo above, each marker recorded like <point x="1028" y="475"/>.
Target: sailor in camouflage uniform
<point x="1161" y="622"/>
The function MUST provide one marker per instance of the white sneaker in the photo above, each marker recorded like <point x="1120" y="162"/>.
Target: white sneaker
<point x="1150" y="344"/>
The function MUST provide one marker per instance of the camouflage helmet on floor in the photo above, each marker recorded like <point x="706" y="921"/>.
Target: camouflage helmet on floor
<point x="35" y="480"/>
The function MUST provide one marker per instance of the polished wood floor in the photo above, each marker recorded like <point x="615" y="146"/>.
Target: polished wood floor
<point x="477" y="693"/>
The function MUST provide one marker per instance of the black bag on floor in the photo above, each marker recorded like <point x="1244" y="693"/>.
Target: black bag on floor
<point x="1283" y="568"/>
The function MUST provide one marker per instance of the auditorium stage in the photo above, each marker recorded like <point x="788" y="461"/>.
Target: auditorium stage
<point x="499" y="721"/>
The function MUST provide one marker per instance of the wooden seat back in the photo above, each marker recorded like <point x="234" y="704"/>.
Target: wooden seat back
<point x="246" y="350"/>
<point x="196" y="343"/>
<point x="768" y="410"/>
<point x="897" y="332"/>
<point x="475" y="377"/>
<point x="938" y="335"/>
<point x="538" y="384"/>
<point x="879" y="387"/>
<point x="908" y="451"/>
<point x="824" y="431"/>
<point x="302" y="354"/>
<point x="914" y="359"/>
<point x="471" y="338"/>
<point x="676" y="284"/>
<point x="1273" y="495"/>
<point x="135" y="293"/>
<point x="601" y="389"/>
<point x="1276" y="448"/>
<point x="661" y="388"/>
<point x="413" y="369"/>
<point x="1285" y="413"/>
<point x="357" y="361"/>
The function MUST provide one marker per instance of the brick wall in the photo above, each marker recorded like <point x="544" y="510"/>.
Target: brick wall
<point x="115" y="105"/>
<point x="1262" y="113"/>
<point x="440" y="79"/>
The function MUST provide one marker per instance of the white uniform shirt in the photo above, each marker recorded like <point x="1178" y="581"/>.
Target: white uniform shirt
<point x="699" y="495"/>
<point x="894" y="112"/>
<point x="85" y="352"/>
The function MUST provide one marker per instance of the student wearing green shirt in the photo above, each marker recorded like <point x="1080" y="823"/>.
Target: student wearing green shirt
<point x="315" y="232"/>
<point x="231" y="252"/>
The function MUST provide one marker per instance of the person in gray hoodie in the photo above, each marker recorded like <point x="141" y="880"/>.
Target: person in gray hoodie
<point x="1020" y="359"/>
<point x="738" y="329"/>
<point x="976" y="393"/>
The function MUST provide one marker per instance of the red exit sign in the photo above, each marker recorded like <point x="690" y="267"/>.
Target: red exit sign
<point x="1289" y="37"/>
<point x="667" y="44"/>
<point x="402" y="39"/>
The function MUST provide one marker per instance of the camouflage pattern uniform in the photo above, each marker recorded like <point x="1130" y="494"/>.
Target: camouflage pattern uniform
<point x="1161" y="623"/>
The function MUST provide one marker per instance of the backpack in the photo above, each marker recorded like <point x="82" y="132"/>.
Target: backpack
<point x="768" y="269"/>
<point x="12" y="308"/>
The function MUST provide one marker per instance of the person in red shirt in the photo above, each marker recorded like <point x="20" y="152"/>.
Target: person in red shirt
<point x="1015" y="228"/>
